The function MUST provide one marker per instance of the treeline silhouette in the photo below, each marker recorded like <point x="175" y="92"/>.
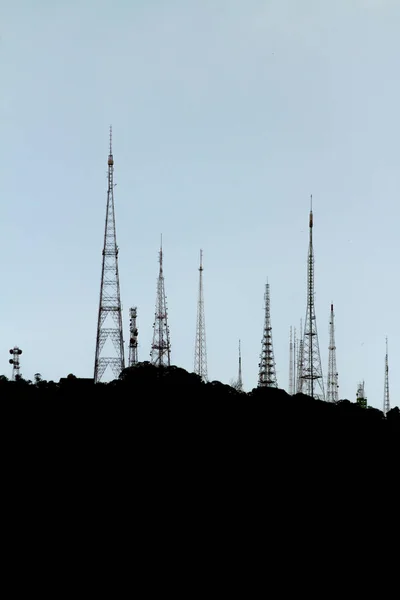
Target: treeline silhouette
<point x="175" y="395"/>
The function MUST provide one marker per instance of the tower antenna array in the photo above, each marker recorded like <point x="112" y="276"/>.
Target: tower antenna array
<point x="311" y="380"/>
<point x="239" y="384"/>
<point x="14" y="361"/>
<point x="267" y="372"/>
<point x="109" y="324"/>
<point x="332" y="386"/>
<point x="161" y="347"/>
<point x="200" y="350"/>
<point x="386" y="398"/>
<point x="133" y="337"/>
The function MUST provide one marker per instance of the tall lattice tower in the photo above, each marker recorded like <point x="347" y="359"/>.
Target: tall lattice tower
<point x="332" y="385"/>
<point x="267" y="372"/>
<point x="200" y="349"/>
<point x="133" y="337"/>
<point x="109" y="341"/>
<point x="311" y="380"/>
<point x="386" y="398"/>
<point x="161" y="347"/>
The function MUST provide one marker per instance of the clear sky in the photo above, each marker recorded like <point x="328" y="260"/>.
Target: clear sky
<point x="226" y="115"/>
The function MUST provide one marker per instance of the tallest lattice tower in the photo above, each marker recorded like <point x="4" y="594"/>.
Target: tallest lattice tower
<point x="311" y="381"/>
<point x="109" y="341"/>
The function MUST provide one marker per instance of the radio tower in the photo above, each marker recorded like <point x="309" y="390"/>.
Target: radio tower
<point x="311" y="379"/>
<point x="386" y="400"/>
<point x="161" y="347"/>
<point x="133" y="338"/>
<point x="299" y="368"/>
<point x="239" y="384"/>
<point x="291" y="377"/>
<point x="14" y="361"/>
<point x="267" y="373"/>
<point x="333" y="386"/>
<point x="200" y="350"/>
<point x="109" y="325"/>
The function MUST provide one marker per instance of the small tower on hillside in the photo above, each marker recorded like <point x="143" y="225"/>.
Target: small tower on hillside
<point x="386" y="398"/>
<point x="200" y="348"/>
<point x="333" y="386"/>
<point x="267" y="372"/>
<point x="133" y="337"/>
<point x="361" y="399"/>
<point x="14" y="361"/>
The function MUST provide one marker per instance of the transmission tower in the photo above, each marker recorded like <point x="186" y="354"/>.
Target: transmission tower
<point x="14" y="361"/>
<point x="311" y="379"/>
<point x="333" y="386"/>
<point x="291" y="363"/>
<point x="239" y="384"/>
<point x="133" y="338"/>
<point x="109" y="325"/>
<point x="267" y="373"/>
<point x="200" y="350"/>
<point x="386" y="399"/>
<point x="299" y="368"/>
<point x="161" y="347"/>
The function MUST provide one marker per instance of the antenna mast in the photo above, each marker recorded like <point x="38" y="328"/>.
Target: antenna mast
<point x="267" y="373"/>
<point x="200" y="350"/>
<point x="311" y="380"/>
<point x="291" y="363"/>
<point x="109" y="324"/>
<point x="161" y="348"/>
<point x="299" y="359"/>
<point x="386" y="399"/>
<point x="239" y="385"/>
<point x="133" y="338"/>
<point x="333" y="386"/>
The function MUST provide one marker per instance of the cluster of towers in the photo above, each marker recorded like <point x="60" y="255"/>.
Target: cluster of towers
<point x="305" y="369"/>
<point x="110" y="340"/>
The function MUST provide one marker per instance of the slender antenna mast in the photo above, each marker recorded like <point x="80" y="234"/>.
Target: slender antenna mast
<point x="291" y="377"/>
<point x="386" y="399"/>
<point x="109" y="324"/>
<point x="161" y="347"/>
<point x="333" y="386"/>
<point x="200" y="350"/>
<point x="133" y="338"/>
<point x="267" y="373"/>
<point x="294" y="361"/>
<point x="299" y="359"/>
<point x="311" y="379"/>
<point x="239" y="385"/>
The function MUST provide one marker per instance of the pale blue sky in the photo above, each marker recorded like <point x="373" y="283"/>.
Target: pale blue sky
<point x="226" y="115"/>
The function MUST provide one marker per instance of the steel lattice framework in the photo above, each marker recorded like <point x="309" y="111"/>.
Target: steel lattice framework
<point x="161" y="347"/>
<point x="311" y="380"/>
<point x="109" y="325"/>
<point x="267" y="372"/>
<point x="200" y="348"/>
<point x="332" y="384"/>
<point x="133" y="338"/>
<point x="386" y="398"/>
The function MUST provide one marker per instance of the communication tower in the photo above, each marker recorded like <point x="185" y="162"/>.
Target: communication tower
<point x="14" y="361"/>
<point x="333" y="385"/>
<point x="200" y="351"/>
<point x="311" y="379"/>
<point x="386" y="398"/>
<point x="267" y="372"/>
<point x="161" y="347"/>
<point x="133" y="338"/>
